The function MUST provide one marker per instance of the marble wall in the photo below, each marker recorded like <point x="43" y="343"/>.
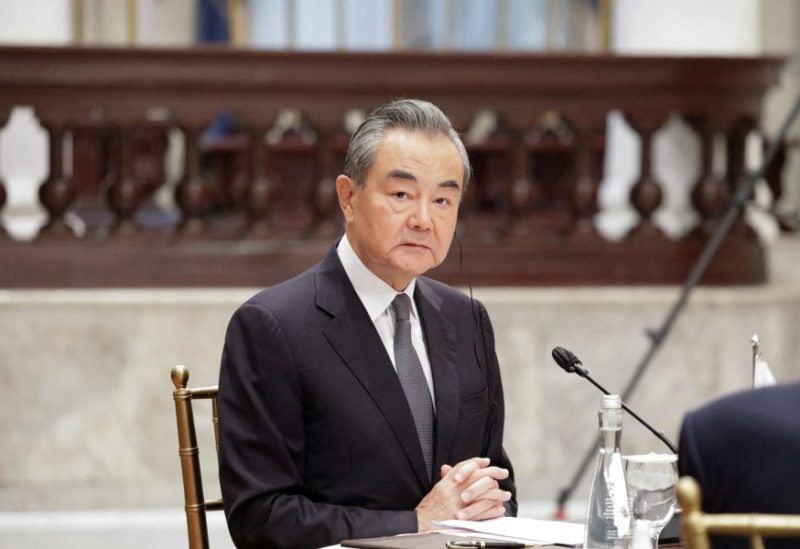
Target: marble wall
<point x="87" y="422"/>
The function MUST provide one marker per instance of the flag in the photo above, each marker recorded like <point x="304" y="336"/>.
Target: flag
<point x="212" y="21"/>
<point x="762" y="375"/>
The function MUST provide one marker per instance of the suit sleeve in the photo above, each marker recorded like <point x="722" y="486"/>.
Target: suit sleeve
<point x="690" y="460"/>
<point x="262" y="448"/>
<point x="493" y="438"/>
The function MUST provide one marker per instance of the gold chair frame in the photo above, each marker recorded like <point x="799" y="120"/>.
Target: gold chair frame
<point x="195" y="504"/>
<point x="698" y="525"/>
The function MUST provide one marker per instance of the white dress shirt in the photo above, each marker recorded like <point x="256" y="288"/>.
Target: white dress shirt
<point x="377" y="296"/>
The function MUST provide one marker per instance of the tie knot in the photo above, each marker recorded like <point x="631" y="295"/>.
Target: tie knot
<point x="402" y="307"/>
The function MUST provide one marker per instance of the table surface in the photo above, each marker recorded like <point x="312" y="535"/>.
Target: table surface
<point x="431" y="540"/>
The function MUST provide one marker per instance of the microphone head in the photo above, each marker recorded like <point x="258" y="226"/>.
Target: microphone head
<point x="565" y="359"/>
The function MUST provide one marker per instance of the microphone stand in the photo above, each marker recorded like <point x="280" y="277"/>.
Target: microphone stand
<point x="657" y="337"/>
<point x="659" y="435"/>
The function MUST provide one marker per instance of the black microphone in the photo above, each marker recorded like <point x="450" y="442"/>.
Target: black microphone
<point x="572" y="365"/>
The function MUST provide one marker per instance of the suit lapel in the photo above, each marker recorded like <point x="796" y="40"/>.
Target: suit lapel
<point x="440" y="339"/>
<point x="353" y="336"/>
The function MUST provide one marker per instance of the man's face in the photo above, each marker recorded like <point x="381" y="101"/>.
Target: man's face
<point x="401" y="222"/>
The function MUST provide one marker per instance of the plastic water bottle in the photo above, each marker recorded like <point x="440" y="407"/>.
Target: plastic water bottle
<point x="608" y="521"/>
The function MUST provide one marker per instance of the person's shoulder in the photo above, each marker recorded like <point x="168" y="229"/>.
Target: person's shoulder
<point x="751" y="402"/>
<point x="287" y="295"/>
<point x="754" y="396"/>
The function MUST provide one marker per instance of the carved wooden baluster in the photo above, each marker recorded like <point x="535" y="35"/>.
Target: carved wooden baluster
<point x="323" y="199"/>
<point x="291" y="164"/>
<point x="260" y="190"/>
<point x="124" y="193"/>
<point x="551" y="156"/>
<point x="3" y="232"/>
<point x="589" y="172"/>
<point x="735" y="136"/>
<point x="523" y="191"/>
<point x="490" y="146"/>
<point x="710" y="194"/>
<point x="736" y="166"/>
<point x="3" y="196"/>
<point x="646" y="194"/>
<point x="192" y="195"/>
<point x="773" y="175"/>
<point x="467" y="209"/>
<point x="58" y="192"/>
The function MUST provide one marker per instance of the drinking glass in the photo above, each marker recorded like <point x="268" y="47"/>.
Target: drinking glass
<point x="651" y="480"/>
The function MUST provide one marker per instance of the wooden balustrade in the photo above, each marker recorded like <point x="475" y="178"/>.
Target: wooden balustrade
<point x="259" y="204"/>
<point x="3" y="194"/>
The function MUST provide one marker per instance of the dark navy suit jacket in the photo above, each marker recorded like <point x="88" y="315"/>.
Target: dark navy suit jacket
<point x="317" y="442"/>
<point x="744" y="450"/>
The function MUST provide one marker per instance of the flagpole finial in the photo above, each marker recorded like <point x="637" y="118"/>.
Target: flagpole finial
<point x="755" y="342"/>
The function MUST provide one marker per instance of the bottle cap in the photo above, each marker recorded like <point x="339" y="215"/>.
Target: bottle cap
<point x="610" y="402"/>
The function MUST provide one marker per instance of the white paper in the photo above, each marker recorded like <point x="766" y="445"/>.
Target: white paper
<point x="531" y="530"/>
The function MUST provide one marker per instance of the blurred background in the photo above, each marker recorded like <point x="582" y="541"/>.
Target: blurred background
<point x="162" y="160"/>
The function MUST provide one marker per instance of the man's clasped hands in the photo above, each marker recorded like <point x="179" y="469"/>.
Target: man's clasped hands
<point x="466" y="491"/>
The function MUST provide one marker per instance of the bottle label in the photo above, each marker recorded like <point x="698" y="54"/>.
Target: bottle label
<point x="609" y="520"/>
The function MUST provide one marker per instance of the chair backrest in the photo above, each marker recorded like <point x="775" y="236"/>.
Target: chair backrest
<point x="697" y="525"/>
<point x="189" y="453"/>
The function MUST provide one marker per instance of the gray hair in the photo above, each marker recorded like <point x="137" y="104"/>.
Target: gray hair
<point x="413" y="115"/>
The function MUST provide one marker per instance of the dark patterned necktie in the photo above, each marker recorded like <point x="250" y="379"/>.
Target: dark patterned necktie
<point x="412" y="378"/>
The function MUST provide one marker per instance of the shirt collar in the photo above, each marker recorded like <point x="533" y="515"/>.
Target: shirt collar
<point x="375" y="294"/>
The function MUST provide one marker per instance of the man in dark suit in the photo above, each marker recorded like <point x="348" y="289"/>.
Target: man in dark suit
<point x="359" y="398"/>
<point x="744" y="450"/>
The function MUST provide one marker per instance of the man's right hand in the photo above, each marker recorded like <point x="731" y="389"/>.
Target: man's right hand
<point x="467" y="491"/>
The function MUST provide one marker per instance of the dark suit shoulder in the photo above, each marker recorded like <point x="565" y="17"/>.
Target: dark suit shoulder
<point x="287" y="295"/>
<point x="751" y="403"/>
<point x="744" y="449"/>
<point x="741" y="418"/>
